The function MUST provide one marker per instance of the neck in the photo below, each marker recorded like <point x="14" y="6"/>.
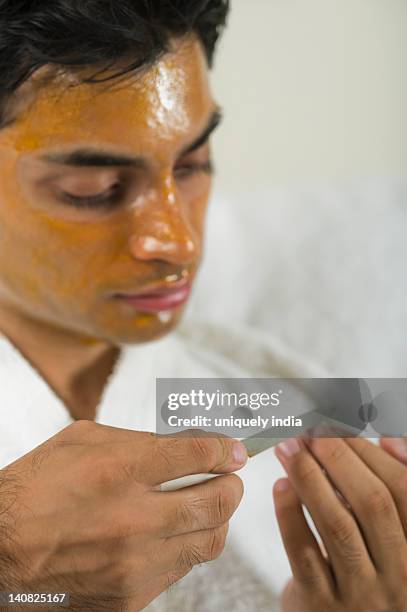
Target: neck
<point x="74" y="365"/>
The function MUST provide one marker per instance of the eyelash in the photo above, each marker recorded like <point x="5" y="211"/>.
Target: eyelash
<point x="103" y="200"/>
<point x="90" y="201"/>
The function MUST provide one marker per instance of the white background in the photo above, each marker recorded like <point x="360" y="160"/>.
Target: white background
<point x="307" y="226"/>
<point x="313" y="90"/>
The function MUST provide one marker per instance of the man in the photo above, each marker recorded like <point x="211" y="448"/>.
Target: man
<point x="105" y="176"/>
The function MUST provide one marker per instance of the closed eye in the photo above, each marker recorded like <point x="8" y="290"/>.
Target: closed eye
<point x="106" y="198"/>
<point x="186" y="170"/>
<point x="113" y="196"/>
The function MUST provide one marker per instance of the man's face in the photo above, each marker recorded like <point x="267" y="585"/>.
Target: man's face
<point x="75" y="234"/>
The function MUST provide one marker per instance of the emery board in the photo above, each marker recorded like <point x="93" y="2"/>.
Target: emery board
<point x="259" y="442"/>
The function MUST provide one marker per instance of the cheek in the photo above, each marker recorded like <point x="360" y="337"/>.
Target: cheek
<point x="44" y="261"/>
<point x="43" y="246"/>
<point x="76" y="259"/>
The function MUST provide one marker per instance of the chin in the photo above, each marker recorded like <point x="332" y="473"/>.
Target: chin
<point x="145" y="328"/>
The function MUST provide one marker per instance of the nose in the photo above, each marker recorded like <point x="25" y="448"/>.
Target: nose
<point x="162" y="229"/>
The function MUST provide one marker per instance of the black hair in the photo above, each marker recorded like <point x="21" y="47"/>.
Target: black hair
<point x="84" y="33"/>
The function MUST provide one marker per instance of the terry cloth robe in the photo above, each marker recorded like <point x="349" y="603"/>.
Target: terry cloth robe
<point x="251" y="572"/>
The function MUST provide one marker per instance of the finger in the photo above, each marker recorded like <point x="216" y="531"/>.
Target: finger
<point x="169" y="457"/>
<point x="186" y="551"/>
<point x="189" y="552"/>
<point x="153" y="588"/>
<point x="388" y="469"/>
<point x="162" y="457"/>
<point x="308" y="566"/>
<point x="396" y="447"/>
<point x="174" y="558"/>
<point x="338" y="529"/>
<point x="369" y="498"/>
<point x="199" y="507"/>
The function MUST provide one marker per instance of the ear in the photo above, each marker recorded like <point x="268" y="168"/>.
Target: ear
<point x="396" y="447"/>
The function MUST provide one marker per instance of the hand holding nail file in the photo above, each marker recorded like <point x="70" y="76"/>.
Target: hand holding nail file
<point x="258" y="443"/>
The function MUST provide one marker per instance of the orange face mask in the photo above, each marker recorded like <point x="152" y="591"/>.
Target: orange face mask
<point x="103" y="191"/>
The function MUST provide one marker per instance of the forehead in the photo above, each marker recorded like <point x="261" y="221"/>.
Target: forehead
<point x="163" y="103"/>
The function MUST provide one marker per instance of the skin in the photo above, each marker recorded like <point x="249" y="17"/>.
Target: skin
<point x="60" y="264"/>
<point x="363" y="563"/>
<point x="83" y="514"/>
<point x="123" y="543"/>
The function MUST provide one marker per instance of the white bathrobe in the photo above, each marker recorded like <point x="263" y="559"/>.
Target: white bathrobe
<point x="253" y="569"/>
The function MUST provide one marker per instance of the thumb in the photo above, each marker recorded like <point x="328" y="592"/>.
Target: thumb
<point x="396" y="447"/>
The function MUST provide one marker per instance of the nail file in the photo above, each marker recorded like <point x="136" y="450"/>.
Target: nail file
<point x="258" y="443"/>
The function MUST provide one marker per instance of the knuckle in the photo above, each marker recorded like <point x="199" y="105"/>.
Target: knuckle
<point x="216" y="543"/>
<point x="218" y="507"/>
<point x="204" y="451"/>
<point x="186" y="513"/>
<point x="190" y="555"/>
<point x="222" y="450"/>
<point x="307" y="575"/>
<point x="310" y="581"/>
<point x="210" y="546"/>
<point x="378" y="501"/>
<point x="305" y="470"/>
<point x="222" y="505"/>
<point x="78" y="431"/>
<point x="341" y="530"/>
<point x="299" y="592"/>
<point x="82" y="425"/>
<point x="336" y="452"/>
<point x="206" y="512"/>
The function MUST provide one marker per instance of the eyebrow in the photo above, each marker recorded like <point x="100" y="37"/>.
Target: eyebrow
<point x="94" y="157"/>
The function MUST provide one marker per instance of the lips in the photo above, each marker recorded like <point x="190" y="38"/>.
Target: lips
<point x="158" y="298"/>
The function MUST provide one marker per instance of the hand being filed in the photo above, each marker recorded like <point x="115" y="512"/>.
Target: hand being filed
<point x="356" y="494"/>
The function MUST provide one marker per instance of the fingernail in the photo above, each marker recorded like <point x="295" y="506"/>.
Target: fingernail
<point x="239" y="453"/>
<point x="399" y="446"/>
<point x="290" y="447"/>
<point x="282" y="485"/>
